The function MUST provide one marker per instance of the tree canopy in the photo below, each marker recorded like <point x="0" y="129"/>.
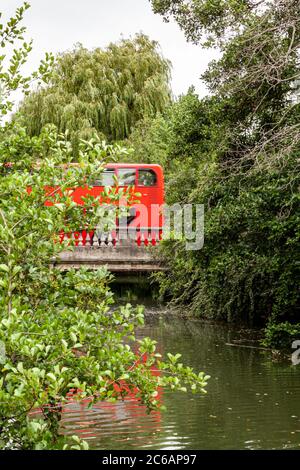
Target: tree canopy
<point x="237" y="152"/>
<point x="102" y="91"/>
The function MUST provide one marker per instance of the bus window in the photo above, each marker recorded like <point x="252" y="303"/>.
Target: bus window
<point x="147" y="178"/>
<point x="126" y="176"/>
<point x="105" y="179"/>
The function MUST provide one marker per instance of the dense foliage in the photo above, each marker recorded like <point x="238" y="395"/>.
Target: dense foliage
<point x="102" y="91"/>
<point x="237" y="152"/>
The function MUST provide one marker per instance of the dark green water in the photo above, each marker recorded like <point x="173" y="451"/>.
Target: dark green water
<point x="253" y="402"/>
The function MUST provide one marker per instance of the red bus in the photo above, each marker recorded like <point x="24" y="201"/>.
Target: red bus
<point x="144" y="221"/>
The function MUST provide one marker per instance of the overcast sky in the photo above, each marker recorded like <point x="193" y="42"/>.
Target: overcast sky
<point x="56" y="25"/>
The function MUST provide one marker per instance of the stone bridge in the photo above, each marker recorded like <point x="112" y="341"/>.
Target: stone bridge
<point x="118" y="255"/>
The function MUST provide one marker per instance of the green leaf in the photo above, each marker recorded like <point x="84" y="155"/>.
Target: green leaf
<point x="52" y="376"/>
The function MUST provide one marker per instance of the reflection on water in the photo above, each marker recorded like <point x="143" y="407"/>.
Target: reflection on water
<point x="252" y="401"/>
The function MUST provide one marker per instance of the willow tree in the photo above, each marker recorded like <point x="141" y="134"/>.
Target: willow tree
<point x="102" y="91"/>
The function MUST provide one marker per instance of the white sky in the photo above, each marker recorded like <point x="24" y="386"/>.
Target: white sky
<point x="56" y="25"/>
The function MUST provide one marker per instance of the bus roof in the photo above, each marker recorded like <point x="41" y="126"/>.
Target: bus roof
<point x="132" y="165"/>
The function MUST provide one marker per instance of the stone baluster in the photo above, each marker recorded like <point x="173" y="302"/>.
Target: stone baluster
<point x="102" y="239"/>
<point x="110" y="240"/>
<point x="80" y="239"/>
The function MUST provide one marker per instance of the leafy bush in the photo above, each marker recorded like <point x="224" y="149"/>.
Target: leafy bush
<point x="60" y="331"/>
<point x="281" y="335"/>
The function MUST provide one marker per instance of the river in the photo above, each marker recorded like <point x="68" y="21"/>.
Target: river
<point x="253" y="399"/>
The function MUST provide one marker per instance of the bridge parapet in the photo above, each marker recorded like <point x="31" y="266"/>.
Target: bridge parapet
<point x="122" y="258"/>
<point x="119" y="237"/>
